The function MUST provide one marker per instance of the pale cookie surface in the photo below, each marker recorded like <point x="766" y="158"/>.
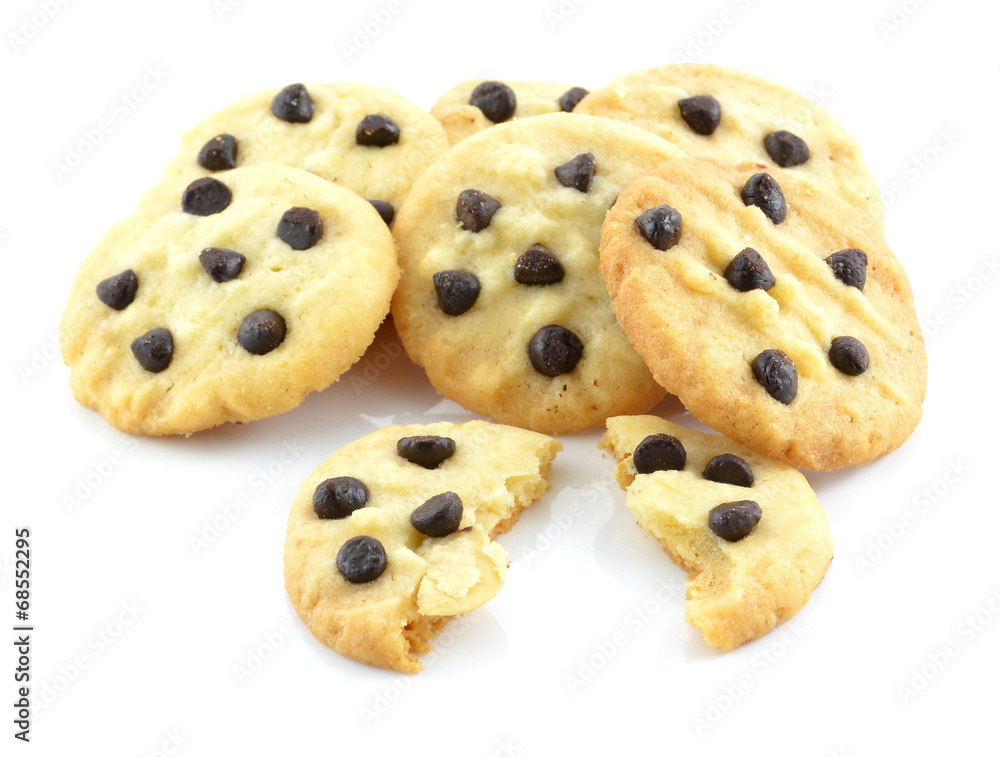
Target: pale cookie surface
<point x="501" y="299"/>
<point x="737" y="590"/>
<point x="746" y="111"/>
<point x="323" y="138"/>
<point x="383" y="610"/>
<point x="200" y="279"/>
<point x="706" y="333"/>
<point x="502" y="100"/>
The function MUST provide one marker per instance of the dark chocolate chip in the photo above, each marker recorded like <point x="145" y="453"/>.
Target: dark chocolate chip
<point x="219" y="153"/>
<point x="729" y="469"/>
<point x="850" y="266"/>
<point x="577" y="173"/>
<point x="733" y="521"/>
<point x="261" y="332"/>
<point x="495" y="99"/>
<point x="337" y="498"/>
<point x="118" y="291"/>
<point x="377" y="130"/>
<point x="384" y="209"/>
<point x="438" y="516"/>
<point x="849" y="355"/>
<point x="701" y="113"/>
<point x="786" y="149"/>
<point x="362" y="559"/>
<point x="293" y="104"/>
<point x="661" y="226"/>
<point x="222" y="265"/>
<point x="571" y="98"/>
<point x="426" y="451"/>
<point x="154" y="349"/>
<point x="300" y="228"/>
<point x="763" y="191"/>
<point x="206" y="197"/>
<point x="554" y="350"/>
<point x="775" y="371"/>
<point x="749" y="270"/>
<point x="538" y="267"/>
<point x="659" y="452"/>
<point x="475" y="209"/>
<point x="457" y="291"/>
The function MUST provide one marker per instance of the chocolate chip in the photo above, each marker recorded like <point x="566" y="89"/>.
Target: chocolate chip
<point x="661" y="226"/>
<point x="118" y="291"/>
<point x="571" y="98"/>
<point x="438" y="516"/>
<point x="538" y="267"/>
<point x="733" y="521"/>
<point x="337" y="498"/>
<point x="850" y="266"/>
<point x="475" y="210"/>
<point x="362" y="559"/>
<point x="300" y="228"/>
<point x="377" y="130"/>
<point x="763" y="191"/>
<point x="701" y="113"/>
<point x="206" y="197"/>
<point x="222" y="265"/>
<point x="775" y="371"/>
<point x="293" y="104"/>
<point x="554" y="350"/>
<point x="577" y="173"/>
<point x="219" y="153"/>
<point x="154" y="349"/>
<point x="728" y="469"/>
<point x="457" y="291"/>
<point x="749" y="270"/>
<point x="426" y="451"/>
<point x="384" y="209"/>
<point x="659" y="452"/>
<point x="495" y="99"/>
<point x="786" y="149"/>
<point x="849" y="355"/>
<point x="261" y="332"/>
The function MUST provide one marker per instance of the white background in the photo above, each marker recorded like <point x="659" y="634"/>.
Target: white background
<point x="140" y="637"/>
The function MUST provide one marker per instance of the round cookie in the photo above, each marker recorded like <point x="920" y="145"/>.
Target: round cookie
<point x="501" y="299"/>
<point x="392" y="536"/>
<point x="226" y="300"/>
<point x="477" y="104"/>
<point x="360" y="136"/>
<point x="733" y="117"/>
<point x="749" y="531"/>
<point x="751" y="313"/>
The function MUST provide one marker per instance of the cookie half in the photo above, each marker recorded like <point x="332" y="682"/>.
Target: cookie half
<point x="359" y="136"/>
<point x="226" y="299"/>
<point x="501" y="299"/>
<point x="731" y="116"/>
<point x="392" y="536"/>
<point x="477" y="104"/>
<point x="749" y="531"/>
<point x="775" y="315"/>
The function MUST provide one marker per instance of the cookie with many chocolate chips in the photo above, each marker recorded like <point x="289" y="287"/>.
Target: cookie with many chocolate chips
<point x="393" y="535"/>
<point x="798" y="339"/>
<point x="501" y="299"/>
<point x="179" y="320"/>
<point x="749" y="531"/>
<point x="733" y="117"/>
<point x="360" y="136"/>
<point x="477" y="104"/>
